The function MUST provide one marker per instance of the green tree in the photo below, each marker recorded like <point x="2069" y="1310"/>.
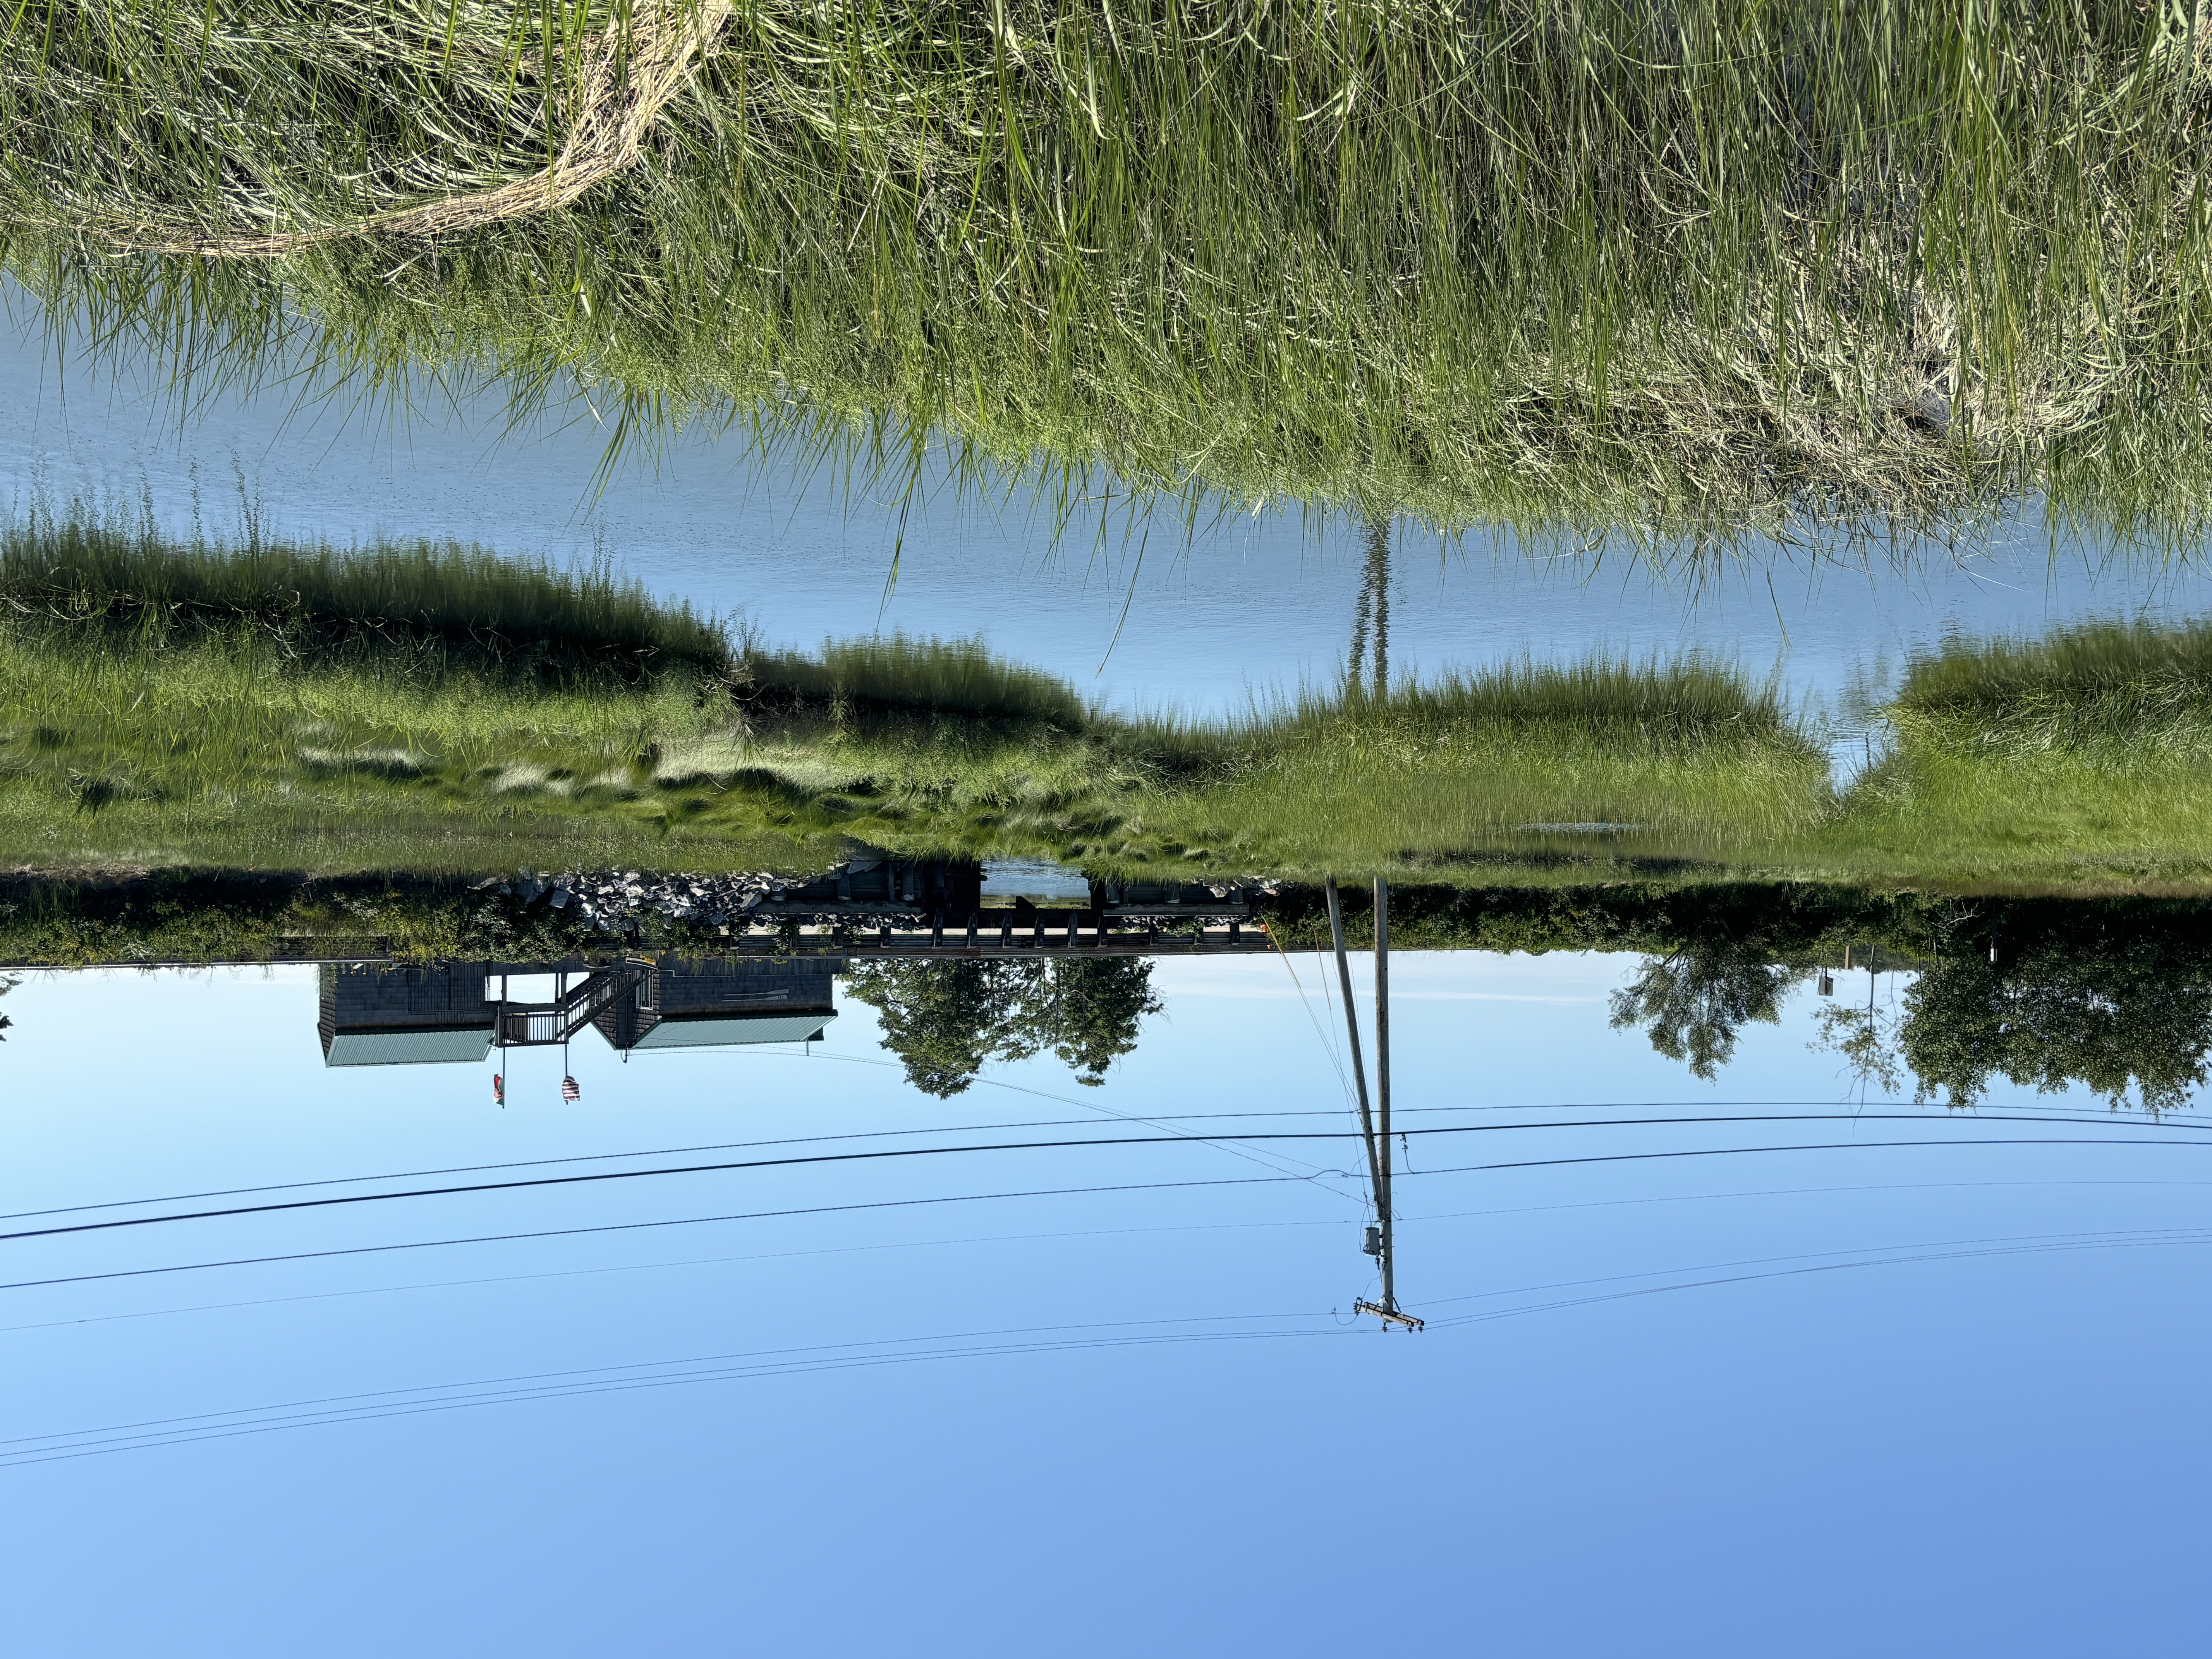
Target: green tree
<point x="1087" y="1010"/>
<point x="1694" y="1001"/>
<point x="2108" y="1007"/>
<point x="945" y="1020"/>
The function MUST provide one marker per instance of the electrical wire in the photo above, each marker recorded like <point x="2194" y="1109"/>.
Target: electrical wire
<point x="654" y="1266"/>
<point x="1829" y="1146"/>
<point x="2002" y="1244"/>
<point x="1092" y="1232"/>
<point x="546" y="1385"/>
<point x="595" y="1158"/>
<point x="2019" y="1114"/>
<point x="602" y="1175"/>
<point x="378" y="1405"/>
<point x="638" y="1226"/>
<point x="1321" y="1032"/>
<point x="1318" y="1176"/>
<point x="2202" y="1237"/>
<point x="632" y="1226"/>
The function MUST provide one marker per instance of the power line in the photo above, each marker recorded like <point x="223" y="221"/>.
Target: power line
<point x="729" y="1166"/>
<point x="827" y="1209"/>
<point x="653" y="1266"/>
<point x="1093" y="1232"/>
<point x="546" y="1385"/>
<point x="605" y="1157"/>
<point x="767" y="1354"/>
<point x="1317" y="1176"/>
<point x="640" y="1226"/>
<point x="1827" y="1146"/>
<point x="329" y="1410"/>
<point x="1998" y="1245"/>
<point x="1872" y="1261"/>
<point x="470" y="1187"/>
<point x="2020" y="1115"/>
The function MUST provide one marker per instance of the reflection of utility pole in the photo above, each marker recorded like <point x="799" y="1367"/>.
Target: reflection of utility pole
<point x="1388" y="1309"/>
<point x="1373" y="610"/>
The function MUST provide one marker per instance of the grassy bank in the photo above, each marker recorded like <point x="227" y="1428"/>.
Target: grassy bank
<point x="2085" y="755"/>
<point x="230" y="708"/>
<point x="304" y="708"/>
<point x="223" y="710"/>
<point x="1545" y="263"/>
<point x="120" y="571"/>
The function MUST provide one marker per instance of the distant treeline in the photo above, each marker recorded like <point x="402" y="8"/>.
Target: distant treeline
<point x="2114" y="994"/>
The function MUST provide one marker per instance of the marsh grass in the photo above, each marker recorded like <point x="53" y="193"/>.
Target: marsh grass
<point x="1589" y="264"/>
<point x="156" y="712"/>
<point x="2141" y="686"/>
<point x="950" y="676"/>
<point x="232" y="712"/>
<point x="2081" y="757"/>
<point x="107" y="567"/>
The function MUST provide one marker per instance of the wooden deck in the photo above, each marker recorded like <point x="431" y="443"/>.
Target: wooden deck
<point x="1002" y="933"/>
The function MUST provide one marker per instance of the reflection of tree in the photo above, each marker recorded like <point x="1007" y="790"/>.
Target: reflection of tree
<point x="945" y="1020"/>
<point x="6" y="985"/>
<point x="2103" y="1008"/>
<point x="1695" y="1000"/>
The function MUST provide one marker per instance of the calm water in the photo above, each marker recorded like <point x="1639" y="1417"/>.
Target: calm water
<point x="1153" y="619"/>
<point x="1752" y="1379"/>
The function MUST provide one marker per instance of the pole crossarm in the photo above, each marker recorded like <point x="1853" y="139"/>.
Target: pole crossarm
<point x="1390" y="1316"/>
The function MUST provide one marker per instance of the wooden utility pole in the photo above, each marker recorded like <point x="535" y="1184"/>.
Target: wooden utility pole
<point x="1381" y="1243"/>
<point x="1351" y="1029"/>
<point x="1383" y="1084"/>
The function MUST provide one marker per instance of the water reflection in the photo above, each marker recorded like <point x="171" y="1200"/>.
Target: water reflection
<point x="2114" y="996"/>
<point x="944" y="1019"/>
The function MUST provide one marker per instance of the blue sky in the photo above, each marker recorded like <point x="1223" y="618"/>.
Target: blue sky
<point x="1976" y="1453"/>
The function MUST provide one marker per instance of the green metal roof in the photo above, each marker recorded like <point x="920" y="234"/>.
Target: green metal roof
<point x="432" y="1048"/>
<point x="729" y="1030"/>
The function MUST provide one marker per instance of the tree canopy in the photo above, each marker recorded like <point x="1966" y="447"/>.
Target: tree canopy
<point x="945" y="1020"/>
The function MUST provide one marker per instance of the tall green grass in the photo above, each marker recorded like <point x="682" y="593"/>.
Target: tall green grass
<point x="84" y="565"/>
<point x="1595" y="264"/>
<point x="1692" y="700"/>
<point x="224" y="706"/>
<point x="231" y="712"/>
<point x="2081" y="757"/>
<point x="2111" y="682"/>
<point x="947" y="677"/>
